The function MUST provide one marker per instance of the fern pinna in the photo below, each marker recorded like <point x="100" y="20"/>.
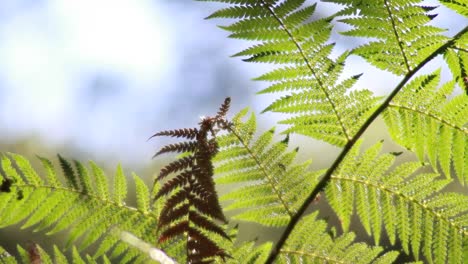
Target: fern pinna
<point x="422" y="119"/>
<point x="92" y="210"/>
<point x="403" y="39"/>
<point x="406" y="203"/>
<point x="192" y="203"/>
<point x="317" y="103"/>
<point x="272" y="186"/>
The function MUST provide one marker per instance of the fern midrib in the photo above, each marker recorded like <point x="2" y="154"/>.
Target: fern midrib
<point x="327" y="177"/>
<point x="462" y="129"/>
<point x="460" y="49"/>
<point x="187" y="217"/>
<point x="92" y="196"/>
<point x="263" y="170"/>
<point x="306" y="60"/>
<point x="316" y="256"/>
<point x="397" y="36"/>
<point x="405" y="197"/>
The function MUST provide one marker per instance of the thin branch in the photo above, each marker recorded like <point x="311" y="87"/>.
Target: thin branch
<point x="326" y="178"/>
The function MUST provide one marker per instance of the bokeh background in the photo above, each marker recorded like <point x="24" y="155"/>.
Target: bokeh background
<point x="93" y="79"/>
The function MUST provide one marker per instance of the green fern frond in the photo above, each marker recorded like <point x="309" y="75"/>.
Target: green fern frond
<point x="318" y="103"/>
<point x="35" y="254"/>
<point x="406" y="204"/>
<point x="459" y="6"/>
<point x="404" y="36"/>
<point x="422" y="119"/>
<point x="83" y="206"/>
<point x="243" y="251"/>
<point x="6" y="257"/>
<point x="462" y="43"/>
<point x="272" y="186"/>
<point x="311" y="243"/>
<point x="457" y="62"/>
<point x="249" y="253"/>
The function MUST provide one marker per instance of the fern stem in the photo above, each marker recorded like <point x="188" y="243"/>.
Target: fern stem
<point x="397" y="36"/>
<point x="327" y="177"/>
<point x="309" y="65"/>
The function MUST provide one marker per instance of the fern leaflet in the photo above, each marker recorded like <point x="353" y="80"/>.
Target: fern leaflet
<point x="51" y="206"/>
<point x="35" y="254"/>
<point x="310" y="243"/>
<point x="404" y="37"/>
<point x="6" y="257"/>
<point x="460" y="6"/>
<point x="457" y="61"/>
<point x="408" y="207"/>
<point x="272" y="187"/>
<point x="317" y="102"/>
<point x="423" y="120"/>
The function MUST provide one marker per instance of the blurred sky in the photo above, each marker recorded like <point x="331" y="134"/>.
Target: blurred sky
<point x="103" y="75"/>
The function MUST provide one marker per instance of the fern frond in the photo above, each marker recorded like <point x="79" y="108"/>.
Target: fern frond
<point x="457" y="62"/>
<point x="311" y="243"/>
<point x="404" y="36"/>
<point x="83" y="206"/>
<point x="35" y="254"/>
<point x="189" y="146"/>
<point x="249" y="253"/>
<point x="422" y="119"/>
<point x="189" y="133"/>
<point x="6" y="257"/>
<point x="188" y="215"/>
<point x="243" y="251"/>
<point x="319" y="104"/>
<point x="459" y="6"/>
<point x="272" y="187"/>
<point x="405" y="203"/>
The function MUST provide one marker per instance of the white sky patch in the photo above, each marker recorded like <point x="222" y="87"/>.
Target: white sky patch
<point x="35" y="76"/>
<point x="45" y="50"/>
<point x="127" y="36"/>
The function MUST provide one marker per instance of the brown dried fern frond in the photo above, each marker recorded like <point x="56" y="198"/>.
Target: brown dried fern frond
<point x="189" y="133"/>
<point x="192" y="206"/>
